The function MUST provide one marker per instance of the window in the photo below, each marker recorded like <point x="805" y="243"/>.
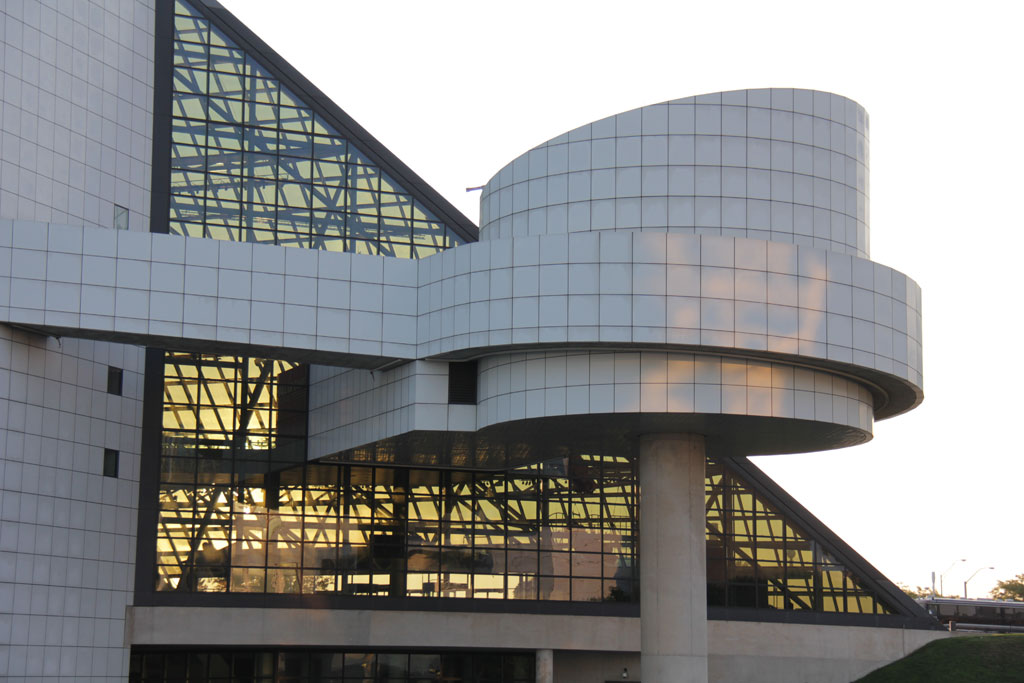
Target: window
<point x="115" y="380"/>
<point x="462" y="383"/>
<point x="111" y="459"/>
<point x="120" y="218"/>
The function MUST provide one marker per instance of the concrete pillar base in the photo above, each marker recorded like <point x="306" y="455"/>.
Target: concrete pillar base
<point x="545" y="666"/>
<point x="673" y="573"/>
<point x="674" y="669"/>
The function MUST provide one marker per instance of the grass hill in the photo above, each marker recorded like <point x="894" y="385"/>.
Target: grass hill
<point x="968" y="659"/>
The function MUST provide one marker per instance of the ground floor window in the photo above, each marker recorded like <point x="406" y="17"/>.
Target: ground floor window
<point x="299" y="666"/>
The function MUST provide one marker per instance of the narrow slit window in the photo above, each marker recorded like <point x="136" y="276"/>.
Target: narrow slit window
<point x="115" y="380"/>
<point x="462" y="383"/>
<point x="111" y="462"/>
<point x="120" y="218"/>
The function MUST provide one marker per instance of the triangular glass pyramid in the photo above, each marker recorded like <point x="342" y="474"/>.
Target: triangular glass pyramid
<point x="253" y="161"/>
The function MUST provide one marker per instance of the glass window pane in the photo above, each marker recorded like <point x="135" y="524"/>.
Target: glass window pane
<point x="362" y="227"/>
<point x="328" y="173"/>
<point x="260" y="190"/>
<point x="228" y="111"/>
<point x="327" y="197"/>
<point x="362" y="247"/>
<point x="262" y="90"/>
<point x="428" y="233"/>
<point x="396" y="230"/>
<point x="396" y="205"/>
<point x="295" y="170"/>
<point x="293" y="220"/>
<point x="187" y="182"/>
<point x="224" y="161"/>
<point x="329" y="148"/>
<point x="226" y="85"/>
<point x="223" y="212"/>
<point x="260" y="140"/>
<point x="191" y="29"/>
<point x="263" y="218"/>
<point x="294" y="194"/>
<point x="190" y="54"/>
<point x="188" y="106"/>
<point x="188" y="157"/>
<point x="224" y="136"/>
<point x="189" y="80"/>
<point x="224" y="187"/>
<point x="228" y="60"/>
<point x="186" y="209"/>
<point x="296" y="119"/>
<point x="261" y="114"/>
<point x="363" y="177"/>
<point x="296" y="144"/>
<point x="188" y="132"/>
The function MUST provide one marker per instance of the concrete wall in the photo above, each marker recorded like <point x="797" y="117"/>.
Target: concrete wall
<point x="587" y="649"/>
<point x="378" y="628"/>
<point x="801" y="653"/>
<point x="744" y="652"/>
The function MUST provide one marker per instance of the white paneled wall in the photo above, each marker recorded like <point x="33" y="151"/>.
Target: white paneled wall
<point x="67" y="533"/>
<point x="555" y="383"/>
<point x="75" y="139"/>
<point x="583" y="289"/>
<point x="773" y="164"/>
<point x="76" y="117"/>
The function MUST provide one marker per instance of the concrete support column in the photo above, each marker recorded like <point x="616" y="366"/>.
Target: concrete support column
<point x="545" y="666"/>
<point x="673" y="571"/>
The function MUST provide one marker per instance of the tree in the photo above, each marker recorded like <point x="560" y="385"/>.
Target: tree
<point x="1010" y="589"/>
<point x="917" y="592"/>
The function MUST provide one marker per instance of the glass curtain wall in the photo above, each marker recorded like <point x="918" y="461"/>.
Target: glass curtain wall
<point x="252" y="162"/>
<point x="241" y="511"/>
<point x="232" y="427"/>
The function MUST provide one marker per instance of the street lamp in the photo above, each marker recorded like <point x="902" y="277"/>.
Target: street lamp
<point x="943" y="574"/>
<point x="972" y="576"/>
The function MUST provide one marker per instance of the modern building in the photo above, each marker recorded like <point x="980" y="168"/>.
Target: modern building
<point x="272" y="409"/>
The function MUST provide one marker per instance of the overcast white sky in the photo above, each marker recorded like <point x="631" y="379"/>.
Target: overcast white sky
<point x="459" y="89"/>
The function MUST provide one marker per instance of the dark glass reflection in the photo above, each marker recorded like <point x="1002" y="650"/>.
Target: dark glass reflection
<point x="302" y="666"/>
<point x="234" y="123"/>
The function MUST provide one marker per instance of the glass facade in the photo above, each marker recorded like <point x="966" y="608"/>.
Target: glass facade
<point x="756" y="557"/>
<point x="242" y="511"/>
<point x="327" y="666"/>
<point x="252" y="162"/>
